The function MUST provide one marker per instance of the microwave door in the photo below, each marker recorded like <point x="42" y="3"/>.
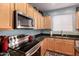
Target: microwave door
<point x="30" y="23"/>
<point x="23" y="21"/>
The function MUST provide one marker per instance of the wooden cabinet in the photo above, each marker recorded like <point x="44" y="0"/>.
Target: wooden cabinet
<point x="51" y="44"/>
<point x="47" y="44"/>
<point x="6" y="15"/>
<point x="38" y="20"/>
<point x="21" y="7"/>
<point x="44" y="46"/>
<point x="59" y="45"/>
<point x="47" y="22"/>
<point x="29" y="11"/>
<point x="68" y="47"/>
<point x="35" y="20"/>
<point x="65" y="46"/>
<point x="77" y="20"/>
<point x="41" y="21"/>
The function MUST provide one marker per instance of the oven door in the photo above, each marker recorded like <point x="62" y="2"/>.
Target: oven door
<point x="34" y="50"/>
<point x="28" y="50"/>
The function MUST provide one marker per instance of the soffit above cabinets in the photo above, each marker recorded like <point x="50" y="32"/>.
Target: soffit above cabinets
<point x="52" y="6"/>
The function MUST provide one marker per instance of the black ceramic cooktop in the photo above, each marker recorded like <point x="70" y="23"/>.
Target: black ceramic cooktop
<point x="26" y="46"/>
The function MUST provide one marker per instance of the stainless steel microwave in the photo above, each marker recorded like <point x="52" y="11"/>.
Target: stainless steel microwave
<point x="22" y="21"/>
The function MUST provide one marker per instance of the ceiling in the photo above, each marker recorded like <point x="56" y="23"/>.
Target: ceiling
<point x="52" y="6"/>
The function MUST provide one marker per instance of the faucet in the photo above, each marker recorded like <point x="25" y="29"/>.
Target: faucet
<point x="61" y="33"/>
<point x="51" y="33"/>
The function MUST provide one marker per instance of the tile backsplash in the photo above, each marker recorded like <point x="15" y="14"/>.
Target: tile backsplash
<point x="19" y="31"/>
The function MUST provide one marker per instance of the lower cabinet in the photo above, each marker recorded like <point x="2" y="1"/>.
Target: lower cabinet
<point x="59" y="45"/>
<point x="44" y="47"/>
<point x="51" y="44"/>
<point x="47" y="44"/>
<point x="64" y="46"/>
<point x="68" y="47"/>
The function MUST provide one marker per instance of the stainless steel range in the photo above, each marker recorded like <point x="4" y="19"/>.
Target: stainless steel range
<point x="26" y="48"/>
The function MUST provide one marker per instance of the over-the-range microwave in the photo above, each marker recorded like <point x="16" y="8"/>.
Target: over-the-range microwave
<point x="22" y="21"/>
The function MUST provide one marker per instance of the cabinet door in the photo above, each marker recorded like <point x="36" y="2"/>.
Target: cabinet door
<point x="77" y="20"/>
<point x="44" y="46"/>
<point x="21" y="7"/>
<point x="29" y="10"/>
<point x="47" y="22"/>
<point x="51" y="44"/>
<point x="41" y="22"/>
<point x="35" y="20"/>
<point x="68" y="47"/>
<point x="58" y="45"/>
<point x="6" y="15"/>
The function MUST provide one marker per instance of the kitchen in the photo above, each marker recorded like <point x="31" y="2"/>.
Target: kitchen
<point x="39" y="29"/>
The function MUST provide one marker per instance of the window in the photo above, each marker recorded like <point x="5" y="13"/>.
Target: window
<point x="63" y="22"/>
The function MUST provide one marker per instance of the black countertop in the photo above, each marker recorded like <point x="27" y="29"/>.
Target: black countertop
<point x="72" y="37"/>
<point x="40" y="37"/>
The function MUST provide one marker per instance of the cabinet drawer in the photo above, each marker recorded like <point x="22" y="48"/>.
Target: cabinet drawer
<point x="69" y="41"/>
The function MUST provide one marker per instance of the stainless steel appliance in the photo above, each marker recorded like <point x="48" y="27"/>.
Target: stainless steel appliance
<point x="22" y="21"/>
<point x="29" y="49"/>
<point x="17" y="40"/>
<point x="28" y="46"/>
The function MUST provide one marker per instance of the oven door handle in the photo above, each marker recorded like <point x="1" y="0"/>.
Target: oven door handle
<point x="29" y="54"/>
<point x="33" y="50"/>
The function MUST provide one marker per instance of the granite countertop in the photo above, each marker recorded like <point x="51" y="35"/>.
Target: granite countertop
<point x="59" y="36"/>
<point x="62" y="37"/>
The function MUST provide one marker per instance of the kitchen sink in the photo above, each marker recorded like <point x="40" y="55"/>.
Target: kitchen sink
<point x="66" y="37"/>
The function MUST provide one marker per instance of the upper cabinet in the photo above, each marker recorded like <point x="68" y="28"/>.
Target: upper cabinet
<point x="77" y="20"/>
<point x="47" y="22"/>
<point x="39" y="20"/>
<point x="29" y="11"/>
<point x="35" y="19"/>
<point x="6" y="15"/>
<point x="21" y="7"/>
